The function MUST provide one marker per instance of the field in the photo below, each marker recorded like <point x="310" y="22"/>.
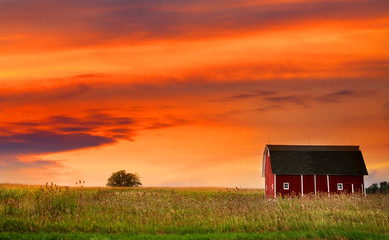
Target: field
<point x="52" y="212"/>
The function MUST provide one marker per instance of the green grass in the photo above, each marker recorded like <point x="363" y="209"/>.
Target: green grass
<point x="52" y="212"/>
<point x="329" y="234"/>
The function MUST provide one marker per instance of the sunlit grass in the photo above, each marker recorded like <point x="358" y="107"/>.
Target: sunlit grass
<point x="34" y="209"/>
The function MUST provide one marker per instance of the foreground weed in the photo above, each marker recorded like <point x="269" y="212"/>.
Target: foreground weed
<point x="184" y="211"/>
<point x="52" y="201"/>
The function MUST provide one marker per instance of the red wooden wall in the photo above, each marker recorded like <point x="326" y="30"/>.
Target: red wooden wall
<point x="308" y="183"/>
<point x="347" y="181"/>
<point x="294" y="184"/>
<point x="321" y="183"/>
<point x="269" y="179"/>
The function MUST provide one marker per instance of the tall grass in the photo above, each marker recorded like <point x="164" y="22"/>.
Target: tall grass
<point x="183" y="211"/>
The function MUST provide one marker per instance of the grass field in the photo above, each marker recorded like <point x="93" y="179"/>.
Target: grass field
<point x="52" y="212"/>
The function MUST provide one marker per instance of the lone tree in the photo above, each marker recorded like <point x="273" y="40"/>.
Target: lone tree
<point x="123" y="179"/>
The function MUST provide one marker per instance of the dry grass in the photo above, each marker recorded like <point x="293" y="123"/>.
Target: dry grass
<point x="49" y="208"/>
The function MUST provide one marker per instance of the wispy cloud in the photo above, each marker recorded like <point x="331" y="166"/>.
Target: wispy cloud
<point x="54" y="134"/>
<point x="341" y="95"/>
<point x="58" y="125"/>
<point x="172" y="122"/>
<point x="16" y="163"/>
<point x="82" y="23"/>
<point x="60" y="92"/>
<point x="294" y="99"/>
<point x="62" y="133"/>
<point x="118" y="111"/>
<point x="41" y="142"/>
<point x="23" y="169"/>
<point x="252" y="94"/>
<point x="268" y="108"/>
<point x="385" y="108"/>
<point x="336" y="97"/>
<point x="277" y="99"/>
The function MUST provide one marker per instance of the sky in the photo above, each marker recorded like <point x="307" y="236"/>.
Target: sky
<point x="187" y="93"/>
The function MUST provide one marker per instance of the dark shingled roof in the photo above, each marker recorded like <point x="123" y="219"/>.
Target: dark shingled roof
<point x="301" y="159"/>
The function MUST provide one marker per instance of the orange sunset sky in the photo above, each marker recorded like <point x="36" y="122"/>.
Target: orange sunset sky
<point x="187" y="93"/>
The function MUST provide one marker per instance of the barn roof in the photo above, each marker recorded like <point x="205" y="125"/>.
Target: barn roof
<point x="308" y="159"/>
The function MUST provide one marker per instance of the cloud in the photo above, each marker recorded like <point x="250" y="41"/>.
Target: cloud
<point x="75" y="129"/>
<point x="59" y="92"/>
<point x="308" y="100"/>
<point x="294" y="99"/>
<point x="385" y="108"/>
<point x="14" y="163"/>
<point x="41" y="142"/>
<point x="22" y="169"/>
<point x="268" y="108"/>
<point x="171" y="123"/>
<point x="153" y="106"/>
<point x="84" y="23"/>
<point x="23" y="143"/>
<point x="339" y="96"/>
<point x="62" y="133"/>
<point x="278" y="94"/>
<point x="276" y="99"/>
<point x="96" y="123"/>
<point x="252" y="94"/>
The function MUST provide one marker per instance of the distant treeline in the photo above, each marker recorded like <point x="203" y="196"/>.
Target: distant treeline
<point x="383" y="188"/>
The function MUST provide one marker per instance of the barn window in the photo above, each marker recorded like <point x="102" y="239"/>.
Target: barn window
<point x="286" y="186"/>
<point x="266" y="187"/>
<point x="272" y="186"/>
<point x="340" y="186"/>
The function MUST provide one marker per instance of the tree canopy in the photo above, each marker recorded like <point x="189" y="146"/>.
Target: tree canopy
<point x="123" y="179"/>
<point x="383" y="188"/>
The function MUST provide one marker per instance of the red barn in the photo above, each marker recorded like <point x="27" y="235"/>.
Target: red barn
<point x="301" y="169"/>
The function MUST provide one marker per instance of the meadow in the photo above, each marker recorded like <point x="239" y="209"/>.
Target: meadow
<point x="53" y="212"/>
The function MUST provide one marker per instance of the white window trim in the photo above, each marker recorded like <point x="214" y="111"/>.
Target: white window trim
<point x="284" y="184"/>
<point x="339" y="186"/>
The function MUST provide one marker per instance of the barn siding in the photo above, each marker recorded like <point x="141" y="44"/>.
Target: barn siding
<point x="347" y="181"/>
<point x="269" y="179"/>
<point x="321" y="183"/>
<point x="294" y="184"/>
<point x="308" y="184"/>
